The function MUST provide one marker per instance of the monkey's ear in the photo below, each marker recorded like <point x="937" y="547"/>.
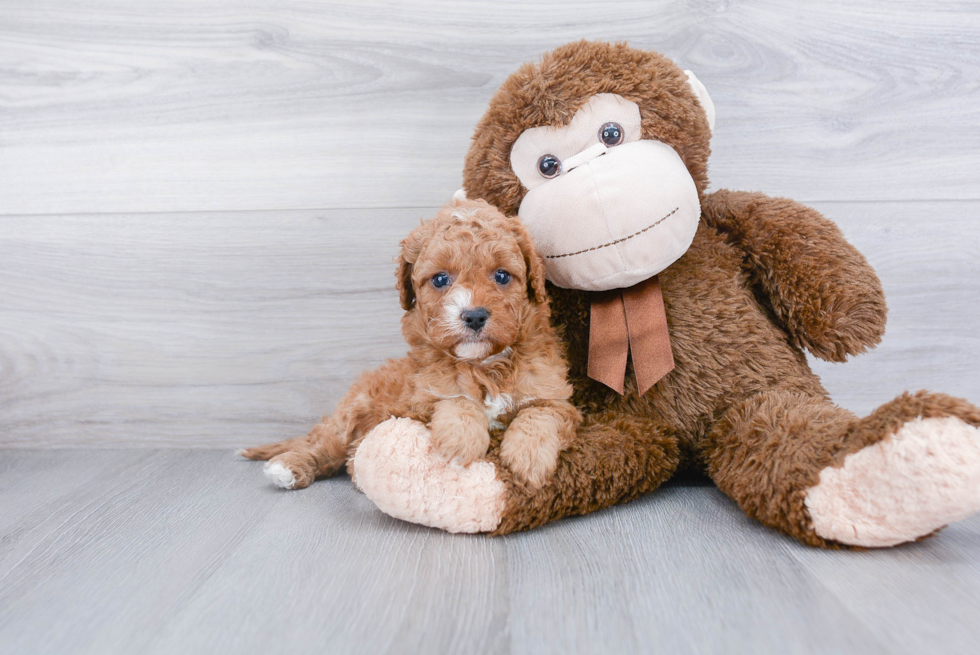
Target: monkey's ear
<point x="703" y="98"/>
<point x="407" y="256"/>
<point x="533" y="263"/>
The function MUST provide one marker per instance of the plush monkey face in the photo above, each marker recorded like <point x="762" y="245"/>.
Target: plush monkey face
<point x="606" y="153"/>
<point x="606" y="208"/>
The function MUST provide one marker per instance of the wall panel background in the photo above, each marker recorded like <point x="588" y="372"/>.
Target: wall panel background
<point x="199" y="201"/>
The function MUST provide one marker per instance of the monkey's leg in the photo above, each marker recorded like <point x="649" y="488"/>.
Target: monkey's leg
<point x="613" y="458"/>
<point x="801" y="465"/>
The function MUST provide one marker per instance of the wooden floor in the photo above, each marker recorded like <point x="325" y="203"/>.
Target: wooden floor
<point x="191" y="551"/>
<point x="199" y="205"/>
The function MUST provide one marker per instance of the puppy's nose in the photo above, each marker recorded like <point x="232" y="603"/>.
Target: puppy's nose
<point x="475" y="318"/>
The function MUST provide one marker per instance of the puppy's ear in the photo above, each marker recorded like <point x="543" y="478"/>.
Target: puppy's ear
<point x="406" y="294"/>
<point x="533" y="263"/>
<point x="411" y="246"/>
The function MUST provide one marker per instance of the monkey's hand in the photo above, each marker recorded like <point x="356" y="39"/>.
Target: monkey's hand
<point x="821" y="289"/>
<point x="460" y="430"/>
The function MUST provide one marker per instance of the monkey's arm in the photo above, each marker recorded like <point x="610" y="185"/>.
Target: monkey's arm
<point x="820" y="288"/>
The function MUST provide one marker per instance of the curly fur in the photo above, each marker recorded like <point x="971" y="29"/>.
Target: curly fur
<point x="508" y="376"/>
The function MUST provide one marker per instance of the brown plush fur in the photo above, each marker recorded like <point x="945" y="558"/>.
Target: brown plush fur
<point x="452" y="372"/>
<point x="764" y="279"/>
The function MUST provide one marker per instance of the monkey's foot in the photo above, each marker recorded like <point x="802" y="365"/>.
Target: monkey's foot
<point x="908" y="485"/>
<point x="397" y="468"/>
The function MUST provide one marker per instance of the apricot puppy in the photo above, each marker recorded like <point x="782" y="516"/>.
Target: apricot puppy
<point x="482" y="359"/>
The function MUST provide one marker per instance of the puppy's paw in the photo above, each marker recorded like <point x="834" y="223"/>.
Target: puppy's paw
<point x="280" y="475"/>
<point x="530" y="450"/>
<point x="460" y="441"/>
<point x="289" y="471"/>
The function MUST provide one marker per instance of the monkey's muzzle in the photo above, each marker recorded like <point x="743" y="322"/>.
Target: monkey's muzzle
<point x="618" y="218"/>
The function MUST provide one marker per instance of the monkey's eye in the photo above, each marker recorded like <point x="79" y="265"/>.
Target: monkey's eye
<point x="611" y="134"/>
<point x="501" y="277"/>
<point x="549" y="166"/>
<point x="440" y="280"/>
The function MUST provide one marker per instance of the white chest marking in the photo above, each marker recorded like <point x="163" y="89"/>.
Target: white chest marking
<point x="495" y="406"/>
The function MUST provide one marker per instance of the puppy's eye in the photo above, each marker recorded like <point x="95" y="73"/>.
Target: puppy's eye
<point x="440" y="280"/>
<point x="549" y="166"/>
<point x="501" y="277"/>
<point x="611" y="134"/>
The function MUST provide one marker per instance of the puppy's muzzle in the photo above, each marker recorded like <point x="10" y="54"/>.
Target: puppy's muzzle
<point x="475" y="319"/>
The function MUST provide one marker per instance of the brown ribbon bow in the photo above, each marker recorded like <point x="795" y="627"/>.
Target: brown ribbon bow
<point x="630" y="320"/>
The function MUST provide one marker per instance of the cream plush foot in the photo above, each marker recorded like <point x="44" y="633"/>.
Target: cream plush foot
<point x="908" y="485"/>
<point x="397" y="468"/>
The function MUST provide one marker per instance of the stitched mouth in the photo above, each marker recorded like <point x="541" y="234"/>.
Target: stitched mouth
<point x="613" y="243"/>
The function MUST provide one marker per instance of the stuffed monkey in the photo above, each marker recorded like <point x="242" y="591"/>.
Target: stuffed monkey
<point x="685" y="317"/>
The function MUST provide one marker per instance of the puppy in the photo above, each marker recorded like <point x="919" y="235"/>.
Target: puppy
<point x="482" y="357"/>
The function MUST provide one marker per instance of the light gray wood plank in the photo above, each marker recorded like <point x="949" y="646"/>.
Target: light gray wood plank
<point x="328" y="570"/>
<point x="237" y="328"/>
<point x="193" y="551"/>
<point x="109" y="106"/>
<point x="42" y="489"/>
<point x="53" y="501"/>
<point x="681" y="570"/>
<point x="917" y="598"/>
<point x="101" y="573"/>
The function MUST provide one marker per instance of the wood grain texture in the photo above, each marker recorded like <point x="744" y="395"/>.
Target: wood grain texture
<point x="237" y="328"/>
<point x="193" y="551"/>
<point x="940" y="572"/>
<point x="111" y="106"/>
<point x="134" y="544"/>
<point x="205" y="329"/>
<point x="681" y="570"/>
